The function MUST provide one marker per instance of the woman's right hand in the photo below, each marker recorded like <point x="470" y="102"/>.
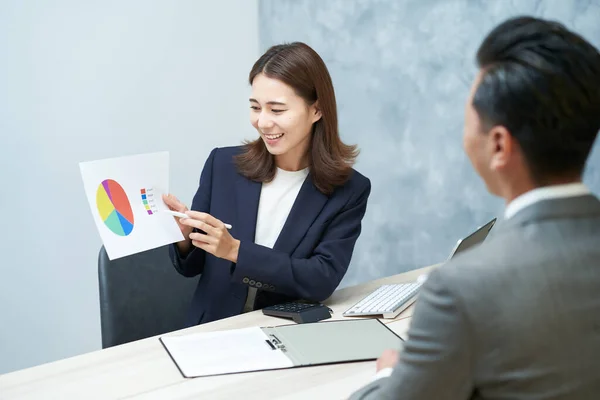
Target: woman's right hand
<point x="175" y="205"/>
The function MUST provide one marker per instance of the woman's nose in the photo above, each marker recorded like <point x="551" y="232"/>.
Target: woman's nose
<point x="264" y="121"/>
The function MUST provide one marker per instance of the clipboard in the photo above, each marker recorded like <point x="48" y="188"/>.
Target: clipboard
<point x="279" y="347"/>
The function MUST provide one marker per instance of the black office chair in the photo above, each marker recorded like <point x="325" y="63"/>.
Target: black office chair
<point x="141" y="296"/>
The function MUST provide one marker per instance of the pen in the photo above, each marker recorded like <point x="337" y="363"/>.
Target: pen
<point x="183" y="215"/>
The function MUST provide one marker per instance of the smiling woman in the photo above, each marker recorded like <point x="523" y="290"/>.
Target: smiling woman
<point x="294" y="110"/>
<point x="294" y="201"/>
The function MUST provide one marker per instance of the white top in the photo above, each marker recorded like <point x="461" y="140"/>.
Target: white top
<point x="276" y="200"/>
<point x="545" y="193"/>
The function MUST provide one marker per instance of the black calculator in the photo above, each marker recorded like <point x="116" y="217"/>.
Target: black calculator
<point x="299" y="312"/>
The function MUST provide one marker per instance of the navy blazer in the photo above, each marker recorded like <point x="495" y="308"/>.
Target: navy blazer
<point x="308" y="260"/>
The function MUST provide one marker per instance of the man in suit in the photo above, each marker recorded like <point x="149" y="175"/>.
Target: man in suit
<point x="519" y="316"/>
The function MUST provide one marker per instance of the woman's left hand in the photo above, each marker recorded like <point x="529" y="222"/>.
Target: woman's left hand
<point x="217" y="240"/>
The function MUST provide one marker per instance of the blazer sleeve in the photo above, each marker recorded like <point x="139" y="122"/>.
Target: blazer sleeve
<point x="314" y="278"/>
<point x="436" y="360"/>
<point x="192" y="264"/>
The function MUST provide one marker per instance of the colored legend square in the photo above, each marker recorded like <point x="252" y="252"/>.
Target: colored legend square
<point x="147" y="197"/>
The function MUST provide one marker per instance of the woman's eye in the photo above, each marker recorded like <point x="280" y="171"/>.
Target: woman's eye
<point x="255" y="108"/>
<point x="278" y="111"/>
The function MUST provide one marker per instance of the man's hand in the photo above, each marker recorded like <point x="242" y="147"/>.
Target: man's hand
<point x="388" y="359"/>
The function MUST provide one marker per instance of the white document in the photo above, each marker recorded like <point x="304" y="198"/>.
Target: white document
<point x="125" y="196"/>
<point x="212" y="353"/>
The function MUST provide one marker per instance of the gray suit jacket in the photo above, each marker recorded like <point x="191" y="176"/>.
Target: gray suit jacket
<point x="515" y="318"/>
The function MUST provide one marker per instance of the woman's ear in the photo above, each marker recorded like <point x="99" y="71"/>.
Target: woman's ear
<point x="315" y="111"/>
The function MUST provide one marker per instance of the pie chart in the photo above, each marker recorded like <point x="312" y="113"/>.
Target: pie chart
<point x="114" y="207"/>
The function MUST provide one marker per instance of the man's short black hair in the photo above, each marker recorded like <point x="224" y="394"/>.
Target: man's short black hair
<point x="542" y="82"/>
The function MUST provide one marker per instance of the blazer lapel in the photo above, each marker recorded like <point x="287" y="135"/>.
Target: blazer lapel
<point x="247" y="198"/>
<point x="306" y="208"/>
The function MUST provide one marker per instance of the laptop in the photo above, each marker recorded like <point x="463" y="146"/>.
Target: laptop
<point x="390" y="300"/>
<point x="473" y="239"/>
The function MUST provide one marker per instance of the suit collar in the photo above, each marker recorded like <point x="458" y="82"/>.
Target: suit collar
<point x="307" y="206"/>
<point x="247" y="198"/>
<point x="545" y="193"/>
<point x="556" y="208"/>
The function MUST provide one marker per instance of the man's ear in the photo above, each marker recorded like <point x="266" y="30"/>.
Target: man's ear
<point x="501" y="147"/>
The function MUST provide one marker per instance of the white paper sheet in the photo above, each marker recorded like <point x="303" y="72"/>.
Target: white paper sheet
<point x="212" y="353"/>
<point x="125" y="197"/>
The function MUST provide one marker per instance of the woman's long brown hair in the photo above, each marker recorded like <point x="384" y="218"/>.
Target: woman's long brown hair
<point x="330" y="161"/>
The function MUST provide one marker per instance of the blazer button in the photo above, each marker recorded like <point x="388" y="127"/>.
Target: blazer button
<point x="252" y="282"/>
<point x="245" y="280"/>
<point x="259" y="284"/>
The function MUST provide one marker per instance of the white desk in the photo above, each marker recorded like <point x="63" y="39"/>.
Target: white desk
<point x="143" y="369"/>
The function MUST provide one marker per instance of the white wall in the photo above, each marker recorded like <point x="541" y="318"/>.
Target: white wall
<point x="84" y="80"/>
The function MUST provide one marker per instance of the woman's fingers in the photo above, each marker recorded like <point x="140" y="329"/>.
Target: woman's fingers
<point x="202" y="238"/>
<point x="215" y="238"/>
<point x="173" y="203"/>
<point x="203" y="226"/>
<point x="209" y="248"/>
<point x="206" y="218"/>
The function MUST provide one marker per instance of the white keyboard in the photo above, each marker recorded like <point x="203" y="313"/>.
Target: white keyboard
<point x="387" y="300"/>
